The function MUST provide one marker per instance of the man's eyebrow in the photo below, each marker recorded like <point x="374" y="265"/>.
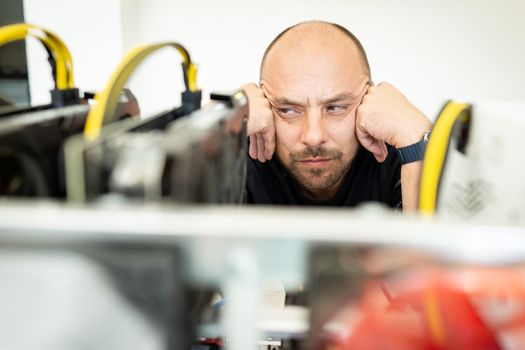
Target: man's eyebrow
<point x="345" y="96"/>
<point x="337" y="98"/>
<point x="285" y="101"/>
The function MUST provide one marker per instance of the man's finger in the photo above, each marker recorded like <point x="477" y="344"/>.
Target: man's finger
<point x="269" y="144"/>
<point x="382" y="151"/>
<point x="253" y="146"/>
<point x="260" y="148"/>
<point x="374" y="146"/>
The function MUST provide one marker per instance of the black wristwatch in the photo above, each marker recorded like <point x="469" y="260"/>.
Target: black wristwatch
<point x="414" y="152"/>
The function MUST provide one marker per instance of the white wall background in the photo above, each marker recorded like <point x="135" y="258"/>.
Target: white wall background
<point x="92" y="30"/>
<point x="432" y="50"/>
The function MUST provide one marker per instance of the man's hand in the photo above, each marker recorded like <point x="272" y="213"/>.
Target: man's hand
<point x="261" y="127"/>
<point x="386" y="116"/>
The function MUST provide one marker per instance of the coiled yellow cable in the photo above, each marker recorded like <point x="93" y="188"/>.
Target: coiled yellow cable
<point x="106" y="101"/>
<point x="435" y="155"/>
<point x="61" y="55"/>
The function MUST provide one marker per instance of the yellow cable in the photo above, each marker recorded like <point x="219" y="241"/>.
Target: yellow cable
<point x="62" y="56"/>
<point x="106" y="101"/>
<point x="66" y="55"/>
<point x="435" y="154"/>
<point x="192" y="77"/>
<point x="63" y="59"/>
<point x="57" y="48"/>
<point x="433" y="318"/>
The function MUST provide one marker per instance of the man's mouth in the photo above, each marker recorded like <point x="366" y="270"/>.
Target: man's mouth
<point x="315" y="162"/>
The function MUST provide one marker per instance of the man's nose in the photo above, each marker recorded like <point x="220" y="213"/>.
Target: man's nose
<point x="314" y="129"/>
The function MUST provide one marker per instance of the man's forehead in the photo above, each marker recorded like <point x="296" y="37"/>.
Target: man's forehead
<point x="311" y="64"/>
<point x="317" y="77"/>
<point x="322" y="69"/>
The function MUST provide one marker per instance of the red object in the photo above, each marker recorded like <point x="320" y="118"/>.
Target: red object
<point x="438" y="309"/>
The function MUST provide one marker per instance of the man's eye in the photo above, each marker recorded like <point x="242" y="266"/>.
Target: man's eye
<point x="336" y="109"/>
<point x="288" y="112"/>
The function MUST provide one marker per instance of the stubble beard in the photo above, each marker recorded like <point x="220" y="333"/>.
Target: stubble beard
<point x="317" y="180"/>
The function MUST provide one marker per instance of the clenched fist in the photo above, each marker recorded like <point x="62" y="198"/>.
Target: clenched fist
<point x="386" y="116"/>
<point x="261" y="128"/>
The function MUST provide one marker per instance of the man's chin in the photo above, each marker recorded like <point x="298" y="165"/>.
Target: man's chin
<point x="314" y="183"/>
<point x="318" y="180"/>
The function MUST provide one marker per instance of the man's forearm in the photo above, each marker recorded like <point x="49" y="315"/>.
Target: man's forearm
<point x="410" y="179"/>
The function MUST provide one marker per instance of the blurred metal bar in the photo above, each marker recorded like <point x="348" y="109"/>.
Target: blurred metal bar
<point x="172" y="223"/>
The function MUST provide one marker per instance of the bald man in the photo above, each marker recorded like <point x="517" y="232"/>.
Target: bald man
<point x="321" y="133"/>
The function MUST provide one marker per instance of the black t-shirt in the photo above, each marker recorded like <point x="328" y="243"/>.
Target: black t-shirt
<point x="367" y="180"/>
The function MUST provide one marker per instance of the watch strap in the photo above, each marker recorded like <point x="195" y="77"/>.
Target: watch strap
<point x="414" y="152"/>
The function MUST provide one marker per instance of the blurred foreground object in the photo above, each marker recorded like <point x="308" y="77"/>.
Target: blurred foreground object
<point x="398" y="299"/>
<point x="198" y="158"/>
<point x="32" y="137"/>
<point x="236" y="250"/>
<point x="474" y="166"/>
<point x="120" y="296"/>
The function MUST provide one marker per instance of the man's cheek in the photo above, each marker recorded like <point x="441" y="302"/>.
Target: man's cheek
<point x="344" y="135"/>
<point x="283" y="138"/>
<point x="281" y="150"/>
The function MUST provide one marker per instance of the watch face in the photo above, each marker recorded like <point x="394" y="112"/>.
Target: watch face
<point x="426" y="136"/>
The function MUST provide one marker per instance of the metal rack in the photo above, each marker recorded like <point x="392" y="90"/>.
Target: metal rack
<point x="240" y="247"/>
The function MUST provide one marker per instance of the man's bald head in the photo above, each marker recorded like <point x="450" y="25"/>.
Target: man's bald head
<point x="302" y="31"/>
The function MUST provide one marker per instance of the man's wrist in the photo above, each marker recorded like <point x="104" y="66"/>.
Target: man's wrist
<point x="410" y="140"/>
<point x="413" y="152"/>
<point x="413" y="136"/>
